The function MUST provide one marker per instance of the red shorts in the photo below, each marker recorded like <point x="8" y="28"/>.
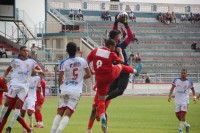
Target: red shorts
<point x="96" y="101"/>
<point x="103" y="81"/>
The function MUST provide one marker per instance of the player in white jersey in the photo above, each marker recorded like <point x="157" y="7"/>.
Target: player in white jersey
<point x="29" y="103"/>
<point x="22" y="68"/>
<point x="70" y="81"/>
<point x="182" y="87"/>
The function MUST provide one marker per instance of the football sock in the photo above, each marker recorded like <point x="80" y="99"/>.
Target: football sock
<point x="101" y="107"/>
<point x="31" y="120"/>
<point x="3" y="112"/>
<point x="5" y="118"/>
<point x="23" y="123"/>
<point x="127" y="69"/>
<point x="38" y="115"/>
<point x="181" y="125"/>
<point x="185" y="123"/>
<point x="63" y="124"/>
<point x="90" y="124"/>
<point x="55" y="123"/>
<point x="14" y="117"/>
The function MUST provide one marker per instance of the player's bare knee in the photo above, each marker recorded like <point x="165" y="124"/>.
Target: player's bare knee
<point x="29" y="113"/>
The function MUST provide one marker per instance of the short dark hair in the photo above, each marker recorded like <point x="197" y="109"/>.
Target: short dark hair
<point x="110" y="42"/>
<point x="114" y="33"/>
<point x="71" y="48"/>
<point x="22" y="48"/>
<point x="184" y="70"/>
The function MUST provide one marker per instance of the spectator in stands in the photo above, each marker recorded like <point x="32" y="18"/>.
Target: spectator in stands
<point x="137" y="58"/>
<point x="80" y="14"/>
<point x="160" y="17"/>
<point x="71" y="14"/>
<point x="33" y="51"/>
<point x="147" y="80"/>
<point x="168" y="18"/>
<point x="190" y="16"/>
<point x="3" y="52"/>
<point x="132" y="16"/>
<point x="173" y="17"/>
<point x="106" y="16"/>
<point x="194" y="45"/>
<point x="131" y="58"/>
<point x="183" y="17"/>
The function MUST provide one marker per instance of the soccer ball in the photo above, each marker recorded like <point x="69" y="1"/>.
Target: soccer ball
<point x="122" y="17"/>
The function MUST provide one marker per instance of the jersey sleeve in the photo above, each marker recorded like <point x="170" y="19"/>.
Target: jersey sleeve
<point x="174" y="82"/>
<point x="85" y="64"/>
<point x="13" y="63"/>
<point x="39" y="82"/>
<point x="190" y="84"/>
<point x="90" y="56"/>
<point x="62" y="68"/>
<point x="35" y="64"/>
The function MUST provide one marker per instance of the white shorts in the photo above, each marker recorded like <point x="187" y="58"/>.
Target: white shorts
<point x="181" y="107"/>
<point x="19" y="91"/>
<point x="69" y="101"/>
<point x="29" y="105"/>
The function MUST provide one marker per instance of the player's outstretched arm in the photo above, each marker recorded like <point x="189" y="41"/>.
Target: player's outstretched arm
<point x="87" y="73"/>
<point x="115" y="26"/>
<point x="194" y="95"/>
<point x="170" y="93"/>
<point x="60" y="78"/>
<point x="7" y="72"/>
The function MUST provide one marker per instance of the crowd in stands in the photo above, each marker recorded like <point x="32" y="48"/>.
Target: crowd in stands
<point x="106" y="16"/>
<point x="193" y="18"/>
<point x="166" y="18"/>
<point x="3" y="52"/>
<point x="195" y="46"/>
<point x="79" y="15"/>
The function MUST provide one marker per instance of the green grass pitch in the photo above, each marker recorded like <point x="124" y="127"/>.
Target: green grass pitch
<point x="126" y="115"/>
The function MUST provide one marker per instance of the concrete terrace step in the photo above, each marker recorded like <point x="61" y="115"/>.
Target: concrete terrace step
<point x="181" y="58"/>
<point x="162" y="50"/>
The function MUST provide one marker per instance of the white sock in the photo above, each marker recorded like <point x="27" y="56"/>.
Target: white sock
<point x="56" y="121"/>
<point x="62" y="124"/>
<point x="185" y="123"/>
<point x="3" y="112"/>
<point x="14" y="117"/>
<point x="31" y="119"/>
<point x="40" y="123"/>
<point x="181" y="125"/>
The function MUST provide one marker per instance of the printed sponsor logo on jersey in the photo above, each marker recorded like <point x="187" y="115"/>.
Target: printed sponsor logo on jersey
<point x="75" y="64"/>
<point x="31" y="87"/>
<point x="27" y="65"/>
<point x="71" y="82"/>
<point x="23" y="73"/>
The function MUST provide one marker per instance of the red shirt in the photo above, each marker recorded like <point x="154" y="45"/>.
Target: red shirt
<point x="41" y="95"/>
<point x="102" y="59"/>
<point x="2" y="86"/>
<point x="43" y="84"/>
